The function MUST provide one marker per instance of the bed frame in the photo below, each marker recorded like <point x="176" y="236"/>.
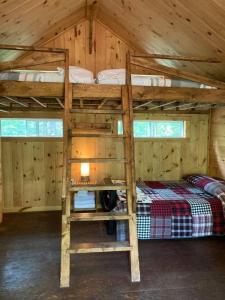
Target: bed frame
<point x="27" y="96"/>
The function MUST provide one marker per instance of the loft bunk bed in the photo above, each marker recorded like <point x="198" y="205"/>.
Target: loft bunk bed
<point x="104" y="99"/>
<point x="31" y="95"/>
<point x="66" y="90"/>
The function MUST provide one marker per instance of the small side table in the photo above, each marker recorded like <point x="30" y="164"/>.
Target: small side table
<point x="84" y="201"/>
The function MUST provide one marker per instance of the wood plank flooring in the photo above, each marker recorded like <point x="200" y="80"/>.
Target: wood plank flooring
<point x="178" y="270"/>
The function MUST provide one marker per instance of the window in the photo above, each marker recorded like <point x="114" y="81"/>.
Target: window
<point x="156" y="129"/>
<point x="31" y="128"/>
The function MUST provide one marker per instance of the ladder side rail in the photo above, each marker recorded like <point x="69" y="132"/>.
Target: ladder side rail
<point x="127" y="146"/>
<point x="66" y="195"/>
<point x="131" y="195"/>
<point x="131" y="119"/>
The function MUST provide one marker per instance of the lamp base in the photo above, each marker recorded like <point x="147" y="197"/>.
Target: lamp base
<point x="84" y="179"/>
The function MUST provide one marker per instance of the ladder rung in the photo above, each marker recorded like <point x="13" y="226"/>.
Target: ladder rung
<point x="98" y="216"/>
<point x="97" y="187"/>
<point x="95" y="135"/>
<point x="99" y="247"/>
<point x="95" y="160"/>
<point x="97" y="111"/>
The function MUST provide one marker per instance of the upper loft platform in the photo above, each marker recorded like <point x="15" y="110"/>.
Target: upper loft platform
<point x="36" y="95"/>
<point x="24" y="95"/>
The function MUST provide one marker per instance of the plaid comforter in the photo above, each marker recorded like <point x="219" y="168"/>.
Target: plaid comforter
<point x="173" y="210"/>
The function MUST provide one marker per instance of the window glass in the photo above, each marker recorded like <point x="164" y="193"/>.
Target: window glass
<point x="31" y="127"/>
<point x="156" y="129"/>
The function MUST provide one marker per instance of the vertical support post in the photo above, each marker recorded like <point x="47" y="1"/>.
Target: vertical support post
<point x="130" y="173"/>
<point x="127" y="124"/>
<point x="131" y="119"/>
<point x="66" y="196"/>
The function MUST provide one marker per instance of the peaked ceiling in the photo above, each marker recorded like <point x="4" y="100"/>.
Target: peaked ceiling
<point x="181" y="27"/>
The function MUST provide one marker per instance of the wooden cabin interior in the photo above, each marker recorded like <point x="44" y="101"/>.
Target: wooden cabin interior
<point x="112" y="140"/>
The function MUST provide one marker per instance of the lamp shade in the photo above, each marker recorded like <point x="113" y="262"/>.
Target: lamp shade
<point x="85" y="169"/>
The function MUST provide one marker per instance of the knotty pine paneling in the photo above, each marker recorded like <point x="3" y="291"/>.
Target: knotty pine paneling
<point x="217" y="144"/>
<point x="108" y="50"/>
<point x="32" y="168"/>
<point x="32" y="174"/>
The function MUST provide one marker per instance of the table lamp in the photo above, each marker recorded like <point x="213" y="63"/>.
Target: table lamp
<point x="85" y="172"/>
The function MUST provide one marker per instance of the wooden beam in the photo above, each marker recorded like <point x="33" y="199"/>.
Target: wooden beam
<point x="35" y="59"/>
<point x="66" y="177"/>
<point x="92" y="12"/>
<point x="168" y="94"/>
<point x="112" y="92"/>
<point x="176" y="57"/>
<point x="172" y="112"/>
<point x="145" y="63"/>
<point x="93" y="91"/>
<point x="38" y="102"/>
<point x="30" y="89"/>
<point x="31" y="48"/>
<point x="97" y="111"/>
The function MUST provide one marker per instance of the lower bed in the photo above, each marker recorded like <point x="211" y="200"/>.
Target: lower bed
<point x="173" y="209"/>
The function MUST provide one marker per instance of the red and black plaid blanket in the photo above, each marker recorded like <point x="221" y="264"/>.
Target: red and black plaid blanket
<point x="175" y="209"/>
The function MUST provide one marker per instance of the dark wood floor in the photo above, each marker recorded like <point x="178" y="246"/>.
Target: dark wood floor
<point x="30" y="258"/>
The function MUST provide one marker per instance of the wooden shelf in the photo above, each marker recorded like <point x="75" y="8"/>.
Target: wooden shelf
<point x="97" y="187"/>
<point x="98" y="216"/>
<point x="99" y="247"/>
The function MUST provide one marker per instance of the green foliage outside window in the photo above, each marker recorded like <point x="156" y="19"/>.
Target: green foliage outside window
<point x="156" y="129"/>
<point x="31" y="128"/>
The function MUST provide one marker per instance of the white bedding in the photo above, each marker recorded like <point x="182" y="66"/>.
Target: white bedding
<point x="76" y="75"/>
<point x="111" y="76"/>
<point x="117" y="76"/>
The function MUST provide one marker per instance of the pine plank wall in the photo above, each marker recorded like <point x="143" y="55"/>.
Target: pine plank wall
<point x="217" y="144"/>
<point x="108" y="49"/>
<point x="32" y="168"/>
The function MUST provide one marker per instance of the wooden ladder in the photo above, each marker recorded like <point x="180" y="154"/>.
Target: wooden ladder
<point x="131" y="246"/>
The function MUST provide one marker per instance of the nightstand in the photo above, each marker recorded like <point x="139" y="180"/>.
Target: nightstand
<point x="84" y="201"/>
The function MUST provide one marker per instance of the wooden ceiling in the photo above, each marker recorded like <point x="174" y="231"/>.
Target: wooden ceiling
<point x="181" y="27"/>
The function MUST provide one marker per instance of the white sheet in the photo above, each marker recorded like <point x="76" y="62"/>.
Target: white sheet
<point x="117" y="76"/>
<point x="76" y="75"/>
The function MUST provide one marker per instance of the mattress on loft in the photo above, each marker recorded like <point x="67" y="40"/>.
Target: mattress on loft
<point x="171" y="210"/>
<point x="76" y="75"/>
<point x="118" y="76"/>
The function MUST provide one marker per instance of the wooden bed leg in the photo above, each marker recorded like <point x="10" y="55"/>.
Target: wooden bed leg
<point x="134" y="256"/>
